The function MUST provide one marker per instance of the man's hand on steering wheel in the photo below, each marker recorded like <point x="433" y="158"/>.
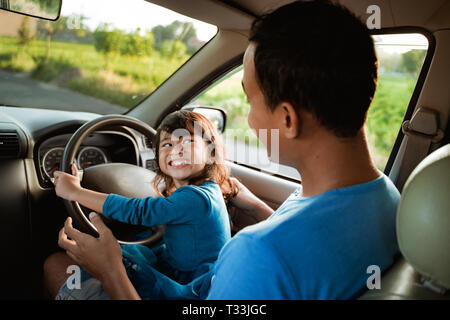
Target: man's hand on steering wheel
<point x="101" y="257"/>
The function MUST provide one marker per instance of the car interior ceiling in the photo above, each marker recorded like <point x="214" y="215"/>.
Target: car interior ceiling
<point x="28" y="207"/>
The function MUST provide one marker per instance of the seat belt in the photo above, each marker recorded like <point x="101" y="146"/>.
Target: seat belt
<point x="420" y="132"/>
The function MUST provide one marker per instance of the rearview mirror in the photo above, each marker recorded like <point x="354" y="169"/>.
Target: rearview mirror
<point x="44" y="9"/>
<point x="216" y="115"/>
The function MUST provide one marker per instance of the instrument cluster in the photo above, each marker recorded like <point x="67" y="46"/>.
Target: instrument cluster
<point x="86" y="157"/>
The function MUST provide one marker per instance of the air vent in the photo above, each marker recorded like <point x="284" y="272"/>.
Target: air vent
<point x="147" y="142"/>
<point x="151" y="164"/>
<point x="9" y="145"/>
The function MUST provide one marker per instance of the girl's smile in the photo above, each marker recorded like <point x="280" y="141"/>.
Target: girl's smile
<point x="178" y="164"/>
<point x="182" y="157"/>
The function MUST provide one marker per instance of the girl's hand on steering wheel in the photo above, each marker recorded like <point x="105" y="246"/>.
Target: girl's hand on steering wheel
<point x="67" y="186"/>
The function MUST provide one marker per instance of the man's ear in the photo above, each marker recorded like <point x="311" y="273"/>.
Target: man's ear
<point x="289" y="120"/>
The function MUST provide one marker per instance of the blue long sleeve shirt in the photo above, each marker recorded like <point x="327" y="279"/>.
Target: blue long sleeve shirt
<point x="196" y="219"/>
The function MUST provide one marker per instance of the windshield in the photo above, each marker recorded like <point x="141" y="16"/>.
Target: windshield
<point x="101" y="56"/>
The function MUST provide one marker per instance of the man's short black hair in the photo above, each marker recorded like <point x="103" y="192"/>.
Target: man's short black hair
<point x="320" y="57"/>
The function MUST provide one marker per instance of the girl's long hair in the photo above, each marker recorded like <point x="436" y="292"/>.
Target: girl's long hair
<point x="216" y="170"/>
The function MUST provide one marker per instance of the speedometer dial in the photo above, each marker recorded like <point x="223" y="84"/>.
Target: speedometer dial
<point x="52" y="161"/>
<point x="91" y="156"/>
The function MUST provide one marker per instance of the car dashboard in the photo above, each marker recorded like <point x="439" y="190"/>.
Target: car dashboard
<point x="32" y="143"/>
<point x="98" y="148"/>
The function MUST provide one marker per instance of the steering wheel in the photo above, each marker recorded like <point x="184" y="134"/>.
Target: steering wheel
<point x="119" y="178"/>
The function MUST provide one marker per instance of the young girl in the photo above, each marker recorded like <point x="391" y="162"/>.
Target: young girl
<point x="197" y="184"/>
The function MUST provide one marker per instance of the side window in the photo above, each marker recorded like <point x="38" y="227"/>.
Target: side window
<point x="241" y="143"/>
<point x="400" y="58"/>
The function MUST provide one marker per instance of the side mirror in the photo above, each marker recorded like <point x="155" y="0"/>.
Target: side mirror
<point x="44" y="9"/>
<point x="216" y="115"/>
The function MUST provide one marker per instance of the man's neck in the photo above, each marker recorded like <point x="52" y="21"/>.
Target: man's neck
<point x="336" y="163"/>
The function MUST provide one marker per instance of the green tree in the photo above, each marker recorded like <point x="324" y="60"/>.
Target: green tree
<point x="161" y="34"/>
<point x="173" y="49"/>
<point x="109" y="42"/>
<point x="412" y="61"/>
<point x="137" y="45"/>
<point x="21" y="60"/>
<point x="25" y="32"/>
<point x="177" y="30"/>
<point x="149" y="42"/>
<point x="48" y="28"/>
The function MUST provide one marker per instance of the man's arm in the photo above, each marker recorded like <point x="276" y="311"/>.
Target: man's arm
<point x="101" y="257"/>
<point x="119" y="287"/>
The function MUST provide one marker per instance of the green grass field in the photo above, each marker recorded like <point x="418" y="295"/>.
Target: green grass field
<point x="125" y="82"/>
<point x="128" y="80"/>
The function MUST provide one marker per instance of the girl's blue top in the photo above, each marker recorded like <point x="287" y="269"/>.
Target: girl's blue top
<point x="197" y="227"/>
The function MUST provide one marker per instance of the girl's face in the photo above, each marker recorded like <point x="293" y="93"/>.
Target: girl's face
<point x="182" y="157"/>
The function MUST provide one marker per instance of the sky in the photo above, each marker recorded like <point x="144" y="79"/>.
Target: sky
<point x="131" y="14"/>
<point x="401" y="43"/>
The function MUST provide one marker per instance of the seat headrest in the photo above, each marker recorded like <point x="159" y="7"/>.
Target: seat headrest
<point x="423" y="218"/>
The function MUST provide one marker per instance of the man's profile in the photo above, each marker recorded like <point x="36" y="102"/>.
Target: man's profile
<point x="310" y="71"/>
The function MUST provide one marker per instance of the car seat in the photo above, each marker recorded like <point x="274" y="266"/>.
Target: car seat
<point x="422" y="271"/>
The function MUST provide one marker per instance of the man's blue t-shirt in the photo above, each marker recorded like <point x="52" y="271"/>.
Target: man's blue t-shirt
<point x="312" y="247"/>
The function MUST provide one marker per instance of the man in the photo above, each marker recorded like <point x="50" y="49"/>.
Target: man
<point x="310" y="71"/>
